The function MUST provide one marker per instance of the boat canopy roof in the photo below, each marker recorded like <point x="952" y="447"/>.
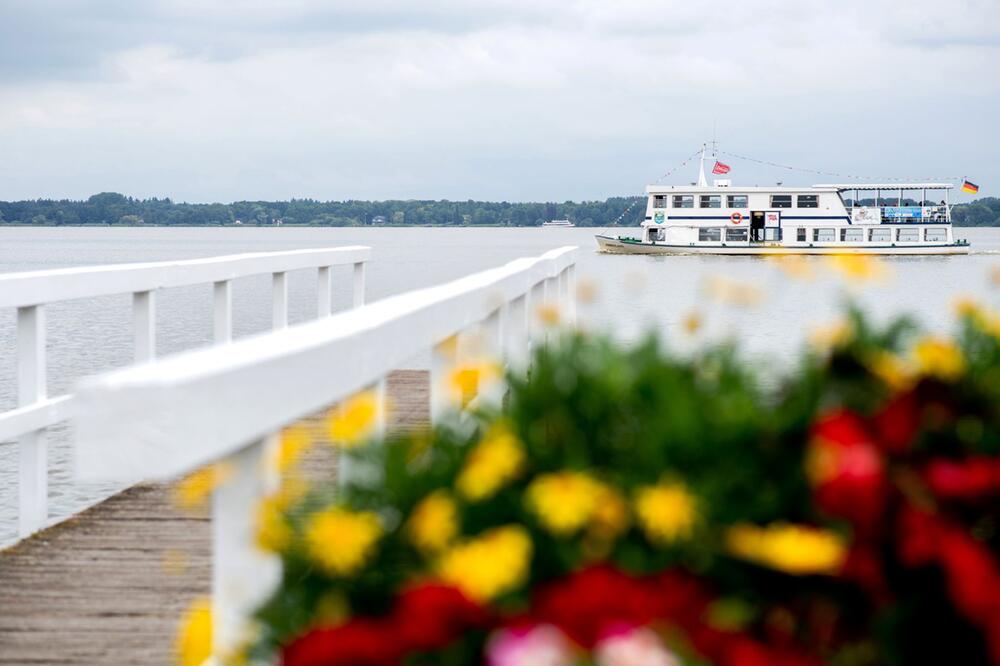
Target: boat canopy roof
<point x="721" y="189"/>
<point x="891" y="186"/>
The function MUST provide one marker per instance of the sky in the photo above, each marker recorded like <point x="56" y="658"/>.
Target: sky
<point x="518" y="100"/>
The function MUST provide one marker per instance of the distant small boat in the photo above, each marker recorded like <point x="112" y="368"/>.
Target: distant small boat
<point x="558" y="223"/>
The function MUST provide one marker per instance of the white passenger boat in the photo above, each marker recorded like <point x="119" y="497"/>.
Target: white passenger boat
<point x="879" y="218"/>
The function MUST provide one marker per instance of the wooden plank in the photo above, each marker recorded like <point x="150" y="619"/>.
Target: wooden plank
<point x="109" y="585"/>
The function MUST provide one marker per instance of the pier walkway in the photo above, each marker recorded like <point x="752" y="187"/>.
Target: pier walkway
<point x="109" y="585"/>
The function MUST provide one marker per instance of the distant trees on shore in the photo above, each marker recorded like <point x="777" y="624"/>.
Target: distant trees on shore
<point x="111" y="208"/>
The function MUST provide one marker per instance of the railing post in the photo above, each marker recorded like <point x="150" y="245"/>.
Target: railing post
<point x="442" y="363"/>
<point x="324" y="292"/>
<point x="494" y="333"/>
<point x="144" y="325"/>
<point x="222" y="296"/>
<point x="279" y="288"/>
<point x="569" y="297"/>
<point x="243" y="576"/>
<point x="359" y="284"/>
<point x="515" y="339"/>
<point x="33" y="466"/>
<point x="536" y="299"/>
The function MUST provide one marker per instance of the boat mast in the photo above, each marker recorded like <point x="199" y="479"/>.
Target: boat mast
<point x="702" y="181"/>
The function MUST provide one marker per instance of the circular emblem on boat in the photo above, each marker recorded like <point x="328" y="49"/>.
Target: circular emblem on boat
<point x="658" y="218"/>
<point x="736" y="218"/>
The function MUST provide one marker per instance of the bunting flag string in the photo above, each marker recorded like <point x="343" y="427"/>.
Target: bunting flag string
<point x="841" y="175"/>
<point x="642" y="195"/>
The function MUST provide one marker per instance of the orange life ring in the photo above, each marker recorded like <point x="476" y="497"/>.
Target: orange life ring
<point x="736" y="218"/>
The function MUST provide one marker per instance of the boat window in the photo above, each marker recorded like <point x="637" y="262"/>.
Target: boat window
<point x="710" y="234"/>
<point x="711" y="201"/>
<point x="660" y="201"/>
<point x="852" y="235"/>
<point x="772" y="234"/>
<point x="808" y="201"/>
<point x="880" y="235"/>
<point x="781" y="201"/>
<point x="736" y="201"/>
<point x="908" y="235"/>
<point x="935" y="235"/>
<point x="824" y="235"/>
<point x="683" y="201"/>
<point x="736" y="234"/>
<point x="800" y="235"/>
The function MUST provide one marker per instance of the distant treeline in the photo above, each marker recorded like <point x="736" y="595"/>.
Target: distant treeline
<point x="110" y="208"/>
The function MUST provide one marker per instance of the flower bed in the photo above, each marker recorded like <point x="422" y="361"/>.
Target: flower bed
<point x="629" y="506"/>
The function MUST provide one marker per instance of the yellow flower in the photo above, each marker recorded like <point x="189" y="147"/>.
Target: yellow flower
<point x="549" y="315"/>
<point x="939" y="358"/>
<point x="891" y="369"/>
<point x="980" y="316"/>
<point x="193" y="645"/>
<point x="836" y="334"/>
<point x="192" y="491"/>
<point x="732" y="292"/>
<point x="610" y="517"/>
<point x="465" y="381"/>
<point x="434" y="522"/>
<point x="794" y="265"/>
<point x="274" y="534"/>
<point x="858" y="267"/>
<point x="794" y="549"/>
<point x="353" y="421"/>
<point x="497" y="459"/>
<point x="341" y="541"/>
<point x="493" y="563"/>
<point x="586" y="291"/>
<point x="692" y="322"/>
<point x="294" y="441"/>
<point x="667" y="512"/>
<point x="563" y="501"/>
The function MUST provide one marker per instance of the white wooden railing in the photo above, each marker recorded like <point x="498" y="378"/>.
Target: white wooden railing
<point x="29" y="292"/>
<point x="165" y="419"/>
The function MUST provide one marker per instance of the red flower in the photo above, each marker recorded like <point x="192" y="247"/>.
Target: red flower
<point x="591" y="603"/>
<point x="896" y="425"/>
<point x="970" y="479"/>
<point x="918" y="532"/>
<point x="973" y="578"/>
<point x="360" y="642"/>
<point x="430" y="616"/>
<point x="847" y="471"/>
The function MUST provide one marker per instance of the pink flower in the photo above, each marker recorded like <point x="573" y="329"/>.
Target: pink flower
<point x="539" y="645"/>
<point x="634" y="647"/>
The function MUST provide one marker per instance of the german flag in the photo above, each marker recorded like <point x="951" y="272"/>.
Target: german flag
<point x="969" y="187"/>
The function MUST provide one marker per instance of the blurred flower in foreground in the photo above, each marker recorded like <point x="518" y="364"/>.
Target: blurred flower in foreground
<point x="434" y="522"/>
<point x="193" y="645"/>
<point x="692" y="322"/>
<point x="274" y="534"/>
<point x="466" y="381"/>
<point x="192" y="491"/>
<point x="563" y="501"/>
<point x="937" y="357"/>
<point x="794" y="265"/>
<point x="858" y="267"/>
<point x="667" y="512"/>
<point x="726" y="290"/>
<point x="891" y="369"/>
<point x="980" y="316"/>
<point x="294" y="442"/>
<point x="586" y="291"/>
<point x="541" y="645"/>
<point x="489" y="565"/>
<point x="354" y="420"/>
<point x="496" y="459"/>
<point x="549" y="314"/>
<point x="341" y="541"/>
<point x="830" y="336"/>
<point x="794" y="549"/>
<point x="635" y="647"/>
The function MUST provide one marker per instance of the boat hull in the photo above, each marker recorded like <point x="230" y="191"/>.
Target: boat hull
<point x="618" y="246"/>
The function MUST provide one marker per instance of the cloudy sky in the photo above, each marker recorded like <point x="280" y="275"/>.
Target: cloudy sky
<point x="211" y="100"/>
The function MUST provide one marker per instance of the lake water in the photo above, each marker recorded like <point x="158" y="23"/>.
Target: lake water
<point x="633" y="294"/>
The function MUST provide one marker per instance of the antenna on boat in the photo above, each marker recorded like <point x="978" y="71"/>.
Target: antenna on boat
<point x="702" y="181"/>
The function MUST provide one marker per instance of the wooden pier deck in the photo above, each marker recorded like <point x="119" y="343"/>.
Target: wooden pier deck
<point x="108" y="586"/>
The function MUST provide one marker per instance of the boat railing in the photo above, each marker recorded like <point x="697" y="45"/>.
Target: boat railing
<point x="226" y="405"/>
<point x="30" y="293"/>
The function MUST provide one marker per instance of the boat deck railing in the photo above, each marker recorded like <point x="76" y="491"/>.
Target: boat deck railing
<point x="30" y="293"/>
<point x="226" y="404"/>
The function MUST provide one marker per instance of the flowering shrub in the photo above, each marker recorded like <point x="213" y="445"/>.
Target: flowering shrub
<point x="629" y="506"/>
